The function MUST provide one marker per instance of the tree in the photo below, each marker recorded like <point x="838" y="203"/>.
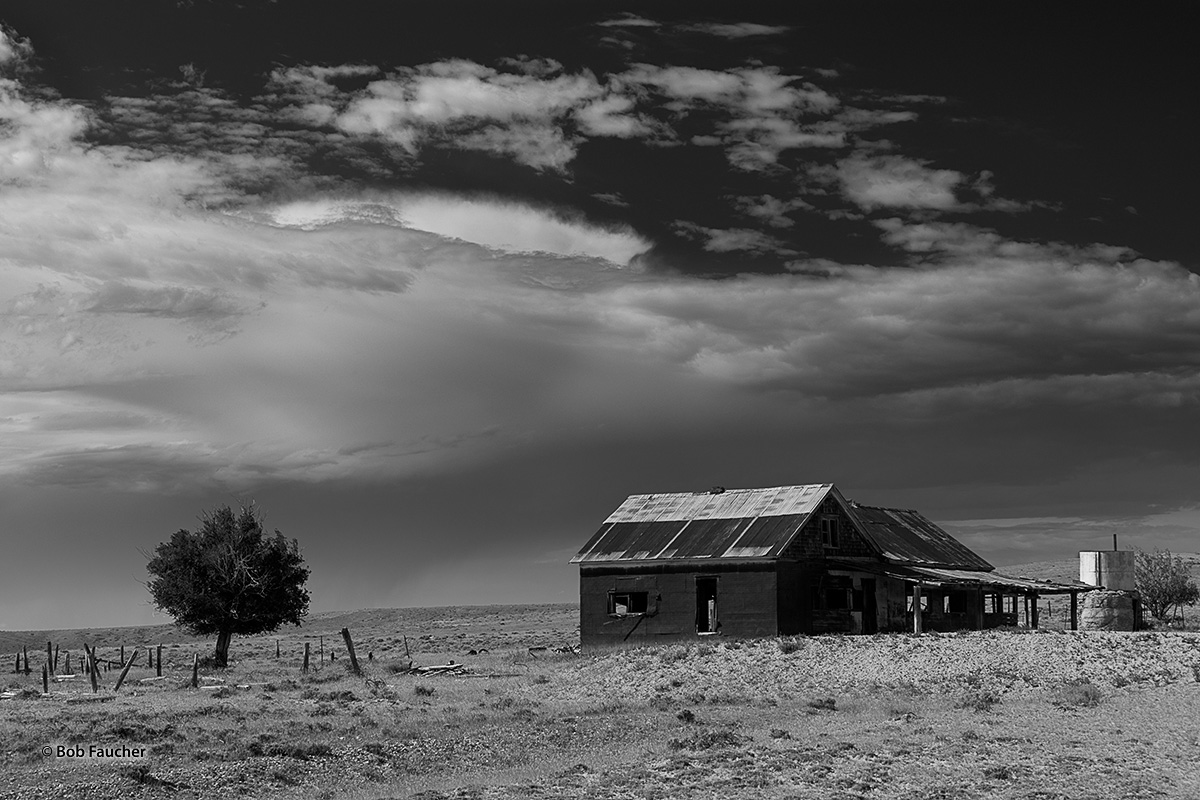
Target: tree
<point x="229" y="577"/>
<point x="1164" y="582"/>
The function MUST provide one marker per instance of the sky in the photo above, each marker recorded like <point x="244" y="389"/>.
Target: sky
<point x="438" y="285"/>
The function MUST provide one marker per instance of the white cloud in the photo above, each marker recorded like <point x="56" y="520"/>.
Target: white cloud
<point x="34" y="136"/>
<point x="504" y="226"/>
<point x="767" y="112"/>
<point x="894" y="181"/>
<point x="629" y="21"/>
<point x="729" y="240"/>
<point x="13" y="50"/>
<point x="463" y="104"/>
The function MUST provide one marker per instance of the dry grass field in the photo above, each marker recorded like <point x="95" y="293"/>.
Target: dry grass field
<point x="1033" y="716"/>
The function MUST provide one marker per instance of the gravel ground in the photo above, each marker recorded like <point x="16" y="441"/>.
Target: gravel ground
<point x="708" y="712"/>
<point x="996" y="661"/>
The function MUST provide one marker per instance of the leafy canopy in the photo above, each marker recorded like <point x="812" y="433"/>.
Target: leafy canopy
<point x="229" y="577"/>
<point x="1165" y="582"/>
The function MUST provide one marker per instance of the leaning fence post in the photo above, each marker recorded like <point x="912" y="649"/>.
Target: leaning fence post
<point x="125" y="670"/>
<point x="158" y="662"/>
<point x="91" y="668"/>
<point x="304" y="669"/>
<point x="350" y="650"/>
<point x="195" y="670"/>
<point x="56" y="659"/>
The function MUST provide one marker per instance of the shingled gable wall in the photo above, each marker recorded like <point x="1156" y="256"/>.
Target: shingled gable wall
<point x="807" y="544"/>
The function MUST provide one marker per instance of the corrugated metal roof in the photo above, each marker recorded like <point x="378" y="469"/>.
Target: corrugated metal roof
<point x="735" y="523"/>
<point x="906" y="537"/>
<point x="999" y="579"/>
<point x="984" y="578"/>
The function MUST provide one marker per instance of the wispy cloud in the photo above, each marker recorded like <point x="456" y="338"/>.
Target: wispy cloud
<point x="737" y="30"/>
<point x="495" y="223"/>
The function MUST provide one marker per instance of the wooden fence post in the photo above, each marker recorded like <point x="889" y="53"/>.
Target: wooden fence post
<point x="158" y="662"/>
<point x="125" y="670"/>
<point x="45" y="679"/>
<point x="49" y="656"/>
<point x="277" y="648"/>
<point x="350" y="650"/>
<point x="17" y="666"/>
<point x="304" y="669"/>
<point x="25" y="650"/>
<point x="56" y="659"/>
<point x="92" y="669"/>
<point x="195" y="670"/>
<point x="321" y="655"/>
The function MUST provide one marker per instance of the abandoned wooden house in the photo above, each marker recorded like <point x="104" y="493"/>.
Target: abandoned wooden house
<point x="783" y="561"/>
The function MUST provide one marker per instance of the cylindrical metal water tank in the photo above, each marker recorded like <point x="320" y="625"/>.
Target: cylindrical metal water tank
<point x="1110" y="569"/>
<point x="1103" y="610"/>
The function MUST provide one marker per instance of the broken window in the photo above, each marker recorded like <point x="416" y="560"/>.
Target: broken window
<point x="837" y="599"/>
<point x="829" y="531"/>
<point x="621" y="604"/>
<point x="833" y="593"/>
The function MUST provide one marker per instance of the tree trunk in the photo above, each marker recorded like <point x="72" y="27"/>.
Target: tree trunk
<point x="222" y="654"/>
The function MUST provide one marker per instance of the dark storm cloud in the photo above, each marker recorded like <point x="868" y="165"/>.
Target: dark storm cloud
<point x="469" y="298"/>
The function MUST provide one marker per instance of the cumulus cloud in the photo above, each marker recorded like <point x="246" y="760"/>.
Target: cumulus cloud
<point x="893" y="181"/>
<point x="34" y="136"/>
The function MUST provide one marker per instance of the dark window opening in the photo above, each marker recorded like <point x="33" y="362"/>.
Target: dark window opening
<point x="837" y="599"/>
<point x="623" y="603"/>
<point x="829" y="531"/>
<point x="706" y="605"/>
<point x="834" y="593"/>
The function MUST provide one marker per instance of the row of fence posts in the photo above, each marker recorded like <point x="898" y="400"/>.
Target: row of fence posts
<point x="89" y="663"/>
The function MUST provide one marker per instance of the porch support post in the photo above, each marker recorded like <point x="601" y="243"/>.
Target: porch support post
<point x="1033" y="604"/>
<point x="1074" y="611"/>
<point x="916" y="608"/>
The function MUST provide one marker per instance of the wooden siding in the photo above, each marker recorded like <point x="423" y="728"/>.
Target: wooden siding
<point x="746" y="602"/>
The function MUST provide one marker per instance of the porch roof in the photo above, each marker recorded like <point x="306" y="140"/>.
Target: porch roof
<point x="933" y="576"/>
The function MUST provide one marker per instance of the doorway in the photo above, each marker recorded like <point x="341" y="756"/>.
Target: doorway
<point x="870" y="624"/>
<point x="706" y="605"/>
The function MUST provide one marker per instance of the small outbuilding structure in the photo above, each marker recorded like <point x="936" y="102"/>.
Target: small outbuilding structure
<point x="783" y="561"/>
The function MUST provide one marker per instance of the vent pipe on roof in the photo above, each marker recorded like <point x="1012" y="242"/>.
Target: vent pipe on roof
<point x="717" y="490"/>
